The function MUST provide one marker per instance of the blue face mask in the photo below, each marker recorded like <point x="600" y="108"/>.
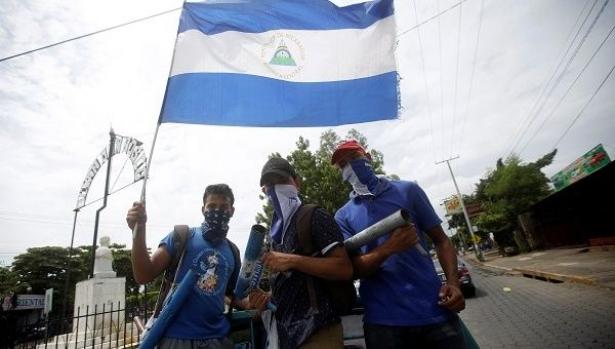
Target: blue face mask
<point x="285" y="201"/>
<point x="360" y="175"/>
<point x="215" y="225"/>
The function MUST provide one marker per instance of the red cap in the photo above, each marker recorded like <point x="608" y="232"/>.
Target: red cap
<point x="343" y="149"/>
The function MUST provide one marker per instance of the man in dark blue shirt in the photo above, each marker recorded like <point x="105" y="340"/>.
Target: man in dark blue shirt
<point x="305" y="316"/>
<point x="406" y="306"/>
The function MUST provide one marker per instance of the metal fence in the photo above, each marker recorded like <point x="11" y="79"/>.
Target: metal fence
<point x="109" y="326"/>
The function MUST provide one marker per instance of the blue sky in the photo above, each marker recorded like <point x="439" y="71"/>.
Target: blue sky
<point x="57" y="105"/>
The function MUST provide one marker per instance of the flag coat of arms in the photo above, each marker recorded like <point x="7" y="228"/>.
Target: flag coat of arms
<point x="283" y="63"/>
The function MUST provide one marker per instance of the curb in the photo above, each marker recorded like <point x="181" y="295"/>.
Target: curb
<point x="536" y="274"/>
<point x="543" y="275"/>
<point x="491" y="266"/>
<point x="497" y="267"/>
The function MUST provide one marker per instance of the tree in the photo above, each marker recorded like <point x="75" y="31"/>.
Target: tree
<point x="510" y="189"/>
<point x="41" y="268"/>
<point x="8" y="282"/>
<point x="46" y="267"/>
<point x="122" y="264"/>
<point x="322" y="183"/>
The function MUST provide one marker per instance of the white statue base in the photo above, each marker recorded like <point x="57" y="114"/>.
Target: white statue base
<point x="97" y="296"/>
<point x="99" y="316"/>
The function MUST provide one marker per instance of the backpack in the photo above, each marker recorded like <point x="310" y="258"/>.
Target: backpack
<point x="341" y="292"/>
<point x="180" y="238"/>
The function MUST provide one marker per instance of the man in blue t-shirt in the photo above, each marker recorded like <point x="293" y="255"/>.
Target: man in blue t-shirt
<point x="200" y="321"/>
<point x="406" y="306"/>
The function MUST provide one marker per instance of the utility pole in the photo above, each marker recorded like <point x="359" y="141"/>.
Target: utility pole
<point x="477" y="251"/>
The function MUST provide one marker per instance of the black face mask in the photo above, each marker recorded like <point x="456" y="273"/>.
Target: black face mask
<point x="215" y="225"/>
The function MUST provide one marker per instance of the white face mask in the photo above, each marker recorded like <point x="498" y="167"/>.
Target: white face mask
<point x="350" y="176"/>
<point x="285" y="201"/>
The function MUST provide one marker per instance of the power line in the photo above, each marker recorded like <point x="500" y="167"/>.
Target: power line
<point x="175" y="9"/>
<point x="441" y="80"/>
<point x="53" y="222"/>
<point x="547" y="81"/>
<point x="89" y="34"/>
<point x="416" y="18"/>
<point x="20" y="217"/>
<point x="456" y="78"/>
<point x="465" y="116"/>
<point x="562" y="73"/>
<point x="568" y="90"/>
<point x="430" y="18"/>
<point x="584" y="107"/>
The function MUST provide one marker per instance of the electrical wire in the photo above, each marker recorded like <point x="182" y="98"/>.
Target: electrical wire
<point x="568" y="90"/>
<point x="454" y="115"/>
<point x="465" y="116"/>
<point x="584" y="107"/>
<point x="431" y="18"/>
<point x="562" y="73"/>
<point x="424" y="76"/>
<point x="89" y="34"/>
<point x="3" y="59"/>
<point x="441" y="81"/>
<point x="549" y="78"/>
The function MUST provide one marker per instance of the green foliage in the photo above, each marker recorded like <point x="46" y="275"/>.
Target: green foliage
<point x="46" y="267"/>
<point x="8" y="281"/>
<point x="143" y="300"/>
<point x="122" y="264"/>
<point x="321" y="183"/>
<point x="41" y="268"/>
<point x="510" y="189"/>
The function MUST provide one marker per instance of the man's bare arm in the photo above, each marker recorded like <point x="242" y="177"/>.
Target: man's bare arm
<point x="450" y="294"/>
<point x="144" y="268"/>
<point x="446" y="254"/>
<point x="334" y="266"/>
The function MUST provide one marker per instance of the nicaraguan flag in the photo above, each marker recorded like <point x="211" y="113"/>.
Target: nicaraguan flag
<point x="283" y="63"/>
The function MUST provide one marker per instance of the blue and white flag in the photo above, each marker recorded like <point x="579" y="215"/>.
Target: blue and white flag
<point x="283" y="63"/>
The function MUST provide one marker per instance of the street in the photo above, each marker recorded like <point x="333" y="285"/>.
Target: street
<point x="538" y="314"/>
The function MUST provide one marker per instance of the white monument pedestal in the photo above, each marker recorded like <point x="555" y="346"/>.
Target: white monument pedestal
<point x="103" y="297"/>
<point x="99" y="316"/>
<point x="98" y="300"/>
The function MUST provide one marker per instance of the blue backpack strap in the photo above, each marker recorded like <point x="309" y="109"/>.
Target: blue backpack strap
<point x="180" y="239"/>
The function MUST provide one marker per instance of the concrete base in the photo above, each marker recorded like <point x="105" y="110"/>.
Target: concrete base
<point x="96" y="303"/>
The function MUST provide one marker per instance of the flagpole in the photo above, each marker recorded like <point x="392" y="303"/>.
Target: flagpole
<point x="151" y="152"/>
<point x="143" y="188"/>
<point x="149" y="163"/>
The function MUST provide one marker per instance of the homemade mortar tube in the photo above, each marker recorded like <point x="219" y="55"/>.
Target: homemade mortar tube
<point x="252" y="265"/>
<point x="380" y="228"/>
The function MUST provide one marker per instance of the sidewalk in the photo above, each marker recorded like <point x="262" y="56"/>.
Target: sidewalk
<point x="588" y="265"/>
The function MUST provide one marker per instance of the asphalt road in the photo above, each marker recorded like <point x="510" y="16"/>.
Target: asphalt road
<point x="538" y="314"/>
